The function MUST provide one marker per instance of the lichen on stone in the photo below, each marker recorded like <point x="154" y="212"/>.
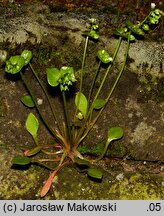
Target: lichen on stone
<point x="142" y="133"/>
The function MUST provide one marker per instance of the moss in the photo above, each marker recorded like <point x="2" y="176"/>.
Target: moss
<point x="125" y="186"/>
<point x="83" y="149"/>
<point x="18" y="183"/>
<point x="97" y="149"/>
<point x="24" y="187"/>
<point x="116" y="150"/>
<point x="138" y="187"/>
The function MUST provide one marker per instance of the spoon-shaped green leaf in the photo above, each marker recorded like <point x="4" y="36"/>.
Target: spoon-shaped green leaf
<point x="27" y="101"/>
<point x="32" y="125"/>
<point x="99" y="103"/>
<point x="53" y="76"/>
<point x="81" y="103"/>
<point x="114" y="133"/>
<point x="20" y="160"/>
<point x="94" y="173"/>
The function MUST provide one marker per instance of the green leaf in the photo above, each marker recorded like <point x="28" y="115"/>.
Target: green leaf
<point x="53" y="76"/>
<point x="81" y="162"/>
<point x="27" y="101"/>
<point x="34" y="151"/>
<point x="115" y="133"/>
<point x="32" y="125"/>
<point x="104" y="56"/>
<point x="81" y="103"/>
<point x="99" y="103"/>
<point x="95" y="173"/>
<point x="20" y="160"/>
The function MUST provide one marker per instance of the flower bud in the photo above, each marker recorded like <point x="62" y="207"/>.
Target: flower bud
<point x="14" y="64"/>
<point x="27" y="55"/>
<point x="145" y="27"/>
<point x="153" y="6"/>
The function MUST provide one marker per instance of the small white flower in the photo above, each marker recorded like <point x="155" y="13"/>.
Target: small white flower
<point x="110" y="59"/>
<point x="92" y="20"/>
<point x="152" y="6"/>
